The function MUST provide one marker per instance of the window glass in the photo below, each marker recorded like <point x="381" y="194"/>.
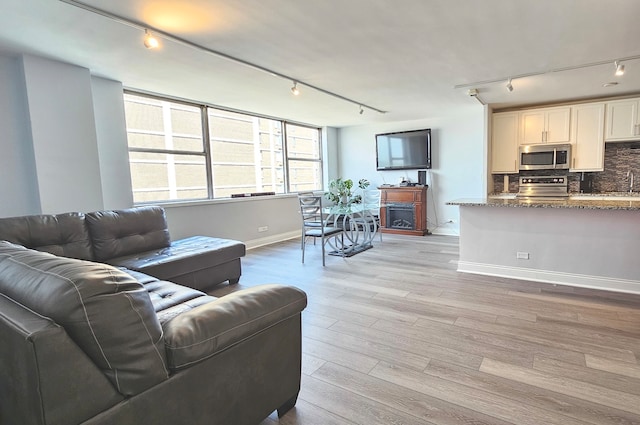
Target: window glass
<point x="246" y="153"/>
<point x="162" y="177"/>
<point x="303" y="158"/>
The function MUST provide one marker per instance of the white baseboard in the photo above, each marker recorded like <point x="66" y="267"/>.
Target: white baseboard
<point x="549" y="276"/>
<point x="446" y="232"/>
<point x="268" y="240"/>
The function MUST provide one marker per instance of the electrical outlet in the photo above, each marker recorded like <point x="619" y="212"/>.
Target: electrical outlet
<point x="522" y="255"/>
<point x="263" y="229"/>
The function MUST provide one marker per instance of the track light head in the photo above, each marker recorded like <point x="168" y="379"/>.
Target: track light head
<point x="619" y="68"/>
<point x="509" y="85"/>
<point x="361" y="110"/>
<point x="295" y="90"/>
<point x="150" y="42"/>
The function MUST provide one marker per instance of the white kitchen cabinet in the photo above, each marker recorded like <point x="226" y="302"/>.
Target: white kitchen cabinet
<point x="546" y="125"/>
<point x="622" y="120"/>
<point x="504" y="142"/>
<point x="587" y="137"/>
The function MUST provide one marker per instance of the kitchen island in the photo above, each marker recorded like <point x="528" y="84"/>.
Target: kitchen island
<point x="586" y="241"/>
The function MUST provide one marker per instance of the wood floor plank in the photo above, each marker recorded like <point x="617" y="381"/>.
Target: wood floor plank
<point x="521" y="393"/>
<point x="595" y="376"/>
<point x="631" y="370"/>
<point x="357" y="344"/>
<point x="583" y="390"/>
<point x="470" y="398"/>
<point x="351" y="406"/>
<point x="409" y="344"/>
<point x="331" y="353"/>
<point x="474" y="306"/>
<point x="557" y="341"/>
<point x="441" y="335"/>
<point x="399" y="397"/>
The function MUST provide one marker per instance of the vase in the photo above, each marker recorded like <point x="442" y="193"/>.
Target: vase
<point x="344" y="200"/>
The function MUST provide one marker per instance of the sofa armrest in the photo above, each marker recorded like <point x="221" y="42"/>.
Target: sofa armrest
<point x="206" y="330"/>
<point x="44" y="376"/>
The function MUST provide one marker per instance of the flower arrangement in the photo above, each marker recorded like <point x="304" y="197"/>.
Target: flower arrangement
<point x="340" y="191"/>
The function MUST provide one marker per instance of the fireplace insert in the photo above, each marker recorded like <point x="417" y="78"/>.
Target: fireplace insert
<point x="400" y="216"/>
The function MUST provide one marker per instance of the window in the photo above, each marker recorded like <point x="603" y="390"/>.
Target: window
<point x="303" y="158"/>
<point x="180" y="151"/>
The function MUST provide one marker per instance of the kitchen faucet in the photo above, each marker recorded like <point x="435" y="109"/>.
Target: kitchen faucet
<point x="630" y="178"/>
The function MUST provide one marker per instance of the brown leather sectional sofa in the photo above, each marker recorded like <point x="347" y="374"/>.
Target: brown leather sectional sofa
<point x="84" y="342"/>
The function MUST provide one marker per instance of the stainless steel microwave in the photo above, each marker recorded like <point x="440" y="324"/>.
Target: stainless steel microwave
<point x="545" y="157"/>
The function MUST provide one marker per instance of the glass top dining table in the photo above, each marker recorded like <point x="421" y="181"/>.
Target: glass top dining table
<point x="359" y="224"/>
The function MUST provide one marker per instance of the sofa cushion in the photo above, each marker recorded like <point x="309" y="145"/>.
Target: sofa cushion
<point x="169" y="299"/>
<point x="183" y="256"/>
<point x="203" y="331"/>
<point x="124" y="232"/>
<point x="104" y="310"/>
<point x="65" y="235"/>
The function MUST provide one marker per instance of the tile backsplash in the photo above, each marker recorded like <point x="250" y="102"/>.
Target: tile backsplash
<point x="619" y="158"/>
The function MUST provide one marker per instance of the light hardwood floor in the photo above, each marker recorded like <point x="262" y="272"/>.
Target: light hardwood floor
<point x="395" y="335"/>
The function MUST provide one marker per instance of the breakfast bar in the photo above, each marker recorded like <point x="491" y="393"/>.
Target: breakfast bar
<point x="586" y="241"/>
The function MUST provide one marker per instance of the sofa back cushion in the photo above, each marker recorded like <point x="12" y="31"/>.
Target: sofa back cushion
<point x="124" y="232"/>
<point x="65" y="235"/>
<point x="106" y="312"/>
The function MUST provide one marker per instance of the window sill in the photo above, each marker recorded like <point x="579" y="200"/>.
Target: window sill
<point x="201" y="202"/>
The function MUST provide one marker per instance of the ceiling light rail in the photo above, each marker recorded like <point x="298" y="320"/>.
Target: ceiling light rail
<point x="616" y="62"/>
<point x="165" y="35"/>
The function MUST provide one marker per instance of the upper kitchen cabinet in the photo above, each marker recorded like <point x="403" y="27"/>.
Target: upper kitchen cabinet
<point x="548" y="125"/>
<point x="504" y="143"/>
<point x="587" y="137"/>
<point x="623" y="120"/>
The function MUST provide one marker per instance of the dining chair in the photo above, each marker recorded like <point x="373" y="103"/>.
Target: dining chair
<point x="371" y="199"/>
<point x="314" y="225"/>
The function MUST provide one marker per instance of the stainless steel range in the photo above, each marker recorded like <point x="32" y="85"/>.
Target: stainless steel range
<point x="544" y="187"/>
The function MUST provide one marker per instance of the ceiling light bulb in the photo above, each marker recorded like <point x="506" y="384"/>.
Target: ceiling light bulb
<point x="295" y="89"/>
<point x="619" y="68"/>
<point x="509" y="85"/>
<point x="150" y="42"/>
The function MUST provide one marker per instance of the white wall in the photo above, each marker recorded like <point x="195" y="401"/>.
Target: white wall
<point x="63" y="134"/>
<point x="18" y="185"/>
<point x="111" y="131"/>
<point x="459" y="154"/>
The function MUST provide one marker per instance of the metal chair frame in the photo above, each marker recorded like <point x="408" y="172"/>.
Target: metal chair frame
<point x="314" y="225"/>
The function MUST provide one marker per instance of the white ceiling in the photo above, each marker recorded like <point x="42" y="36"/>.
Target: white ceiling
<point x="402" y="56"/>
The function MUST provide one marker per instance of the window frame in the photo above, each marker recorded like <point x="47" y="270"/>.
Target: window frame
<point x="206" y="148"/>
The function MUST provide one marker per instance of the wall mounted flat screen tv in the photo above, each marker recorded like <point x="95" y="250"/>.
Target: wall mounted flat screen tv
<point x="405" y="150"/>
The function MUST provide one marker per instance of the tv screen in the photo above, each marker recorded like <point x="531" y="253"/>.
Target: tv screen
<point x="404" y="150"/>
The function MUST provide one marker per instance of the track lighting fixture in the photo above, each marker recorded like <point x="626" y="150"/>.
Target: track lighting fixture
<point x="361" y="110"/>
<point x="150" y="42"/>
<point x="295" y="89"/>
<point x="619" y="70"/>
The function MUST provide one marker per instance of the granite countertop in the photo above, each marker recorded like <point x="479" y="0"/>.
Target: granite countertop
<point x="600" y="201"/>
